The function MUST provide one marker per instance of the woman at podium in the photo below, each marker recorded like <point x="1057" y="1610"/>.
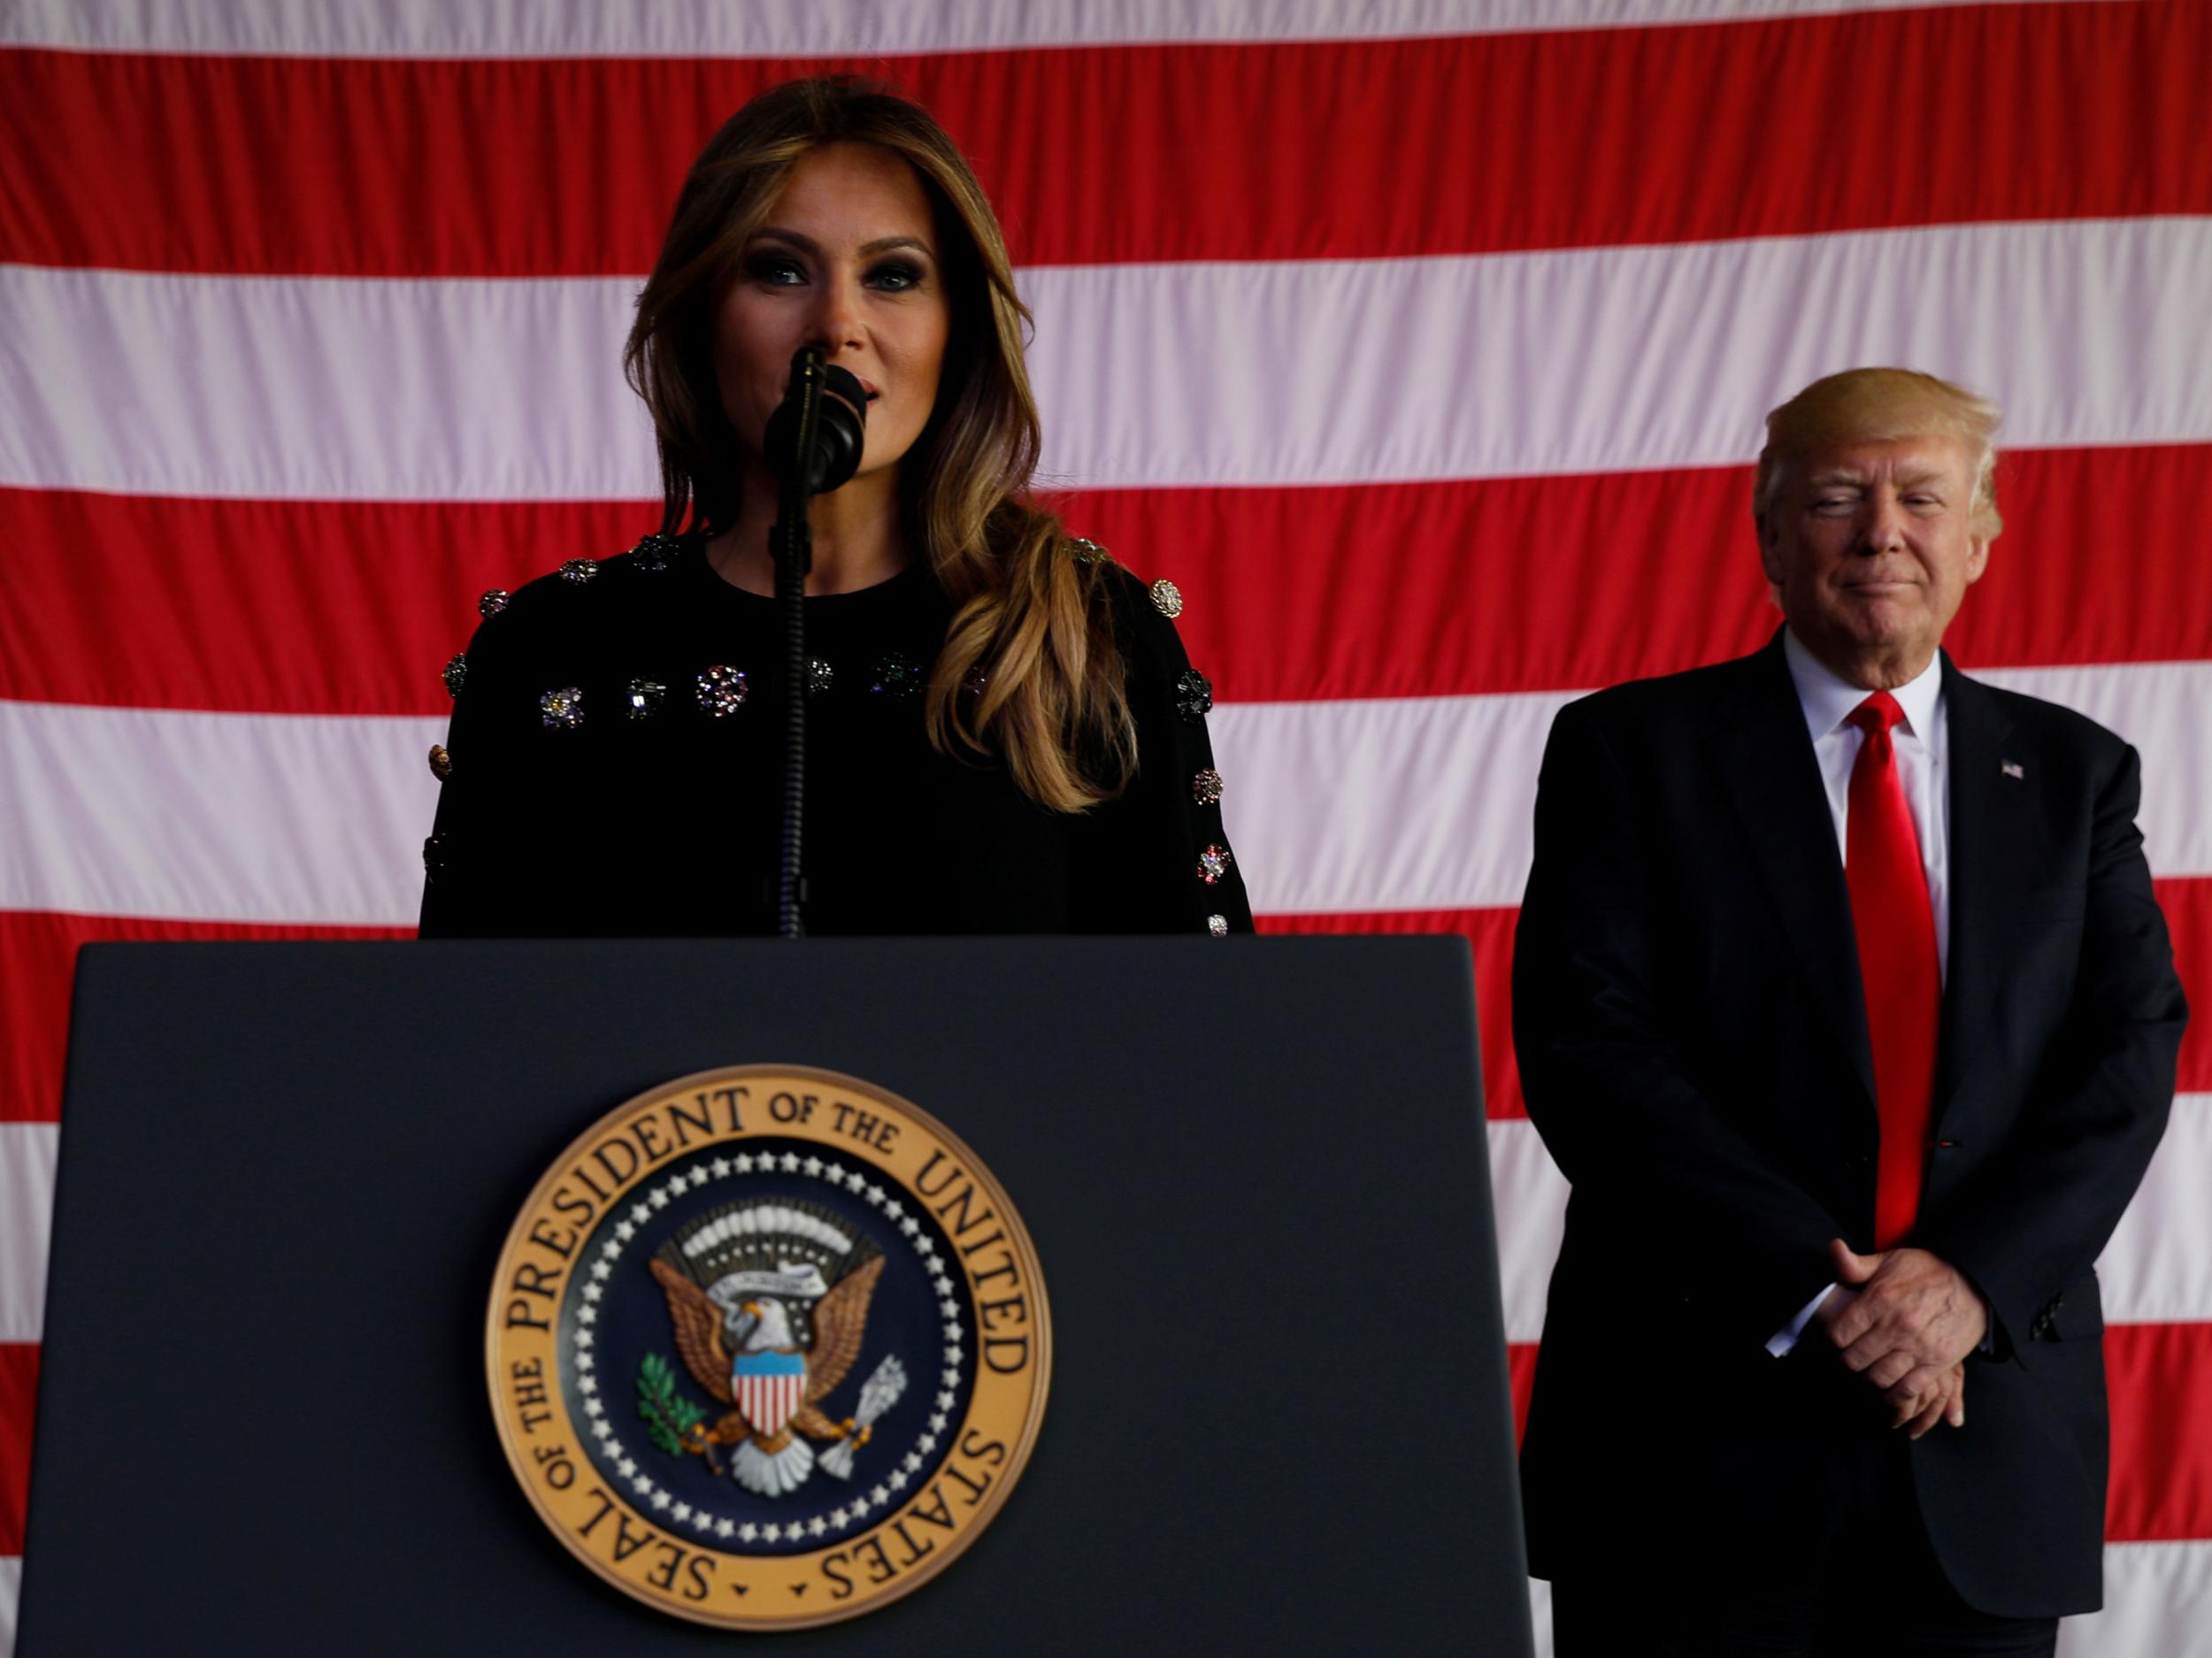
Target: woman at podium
<point x="1003" y="731"/>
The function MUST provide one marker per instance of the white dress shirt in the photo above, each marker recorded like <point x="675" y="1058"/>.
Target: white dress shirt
<point x="1921" y="742"/>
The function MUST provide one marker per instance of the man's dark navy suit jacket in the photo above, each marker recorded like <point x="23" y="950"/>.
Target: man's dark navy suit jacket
<point x="1692" y="1044"/>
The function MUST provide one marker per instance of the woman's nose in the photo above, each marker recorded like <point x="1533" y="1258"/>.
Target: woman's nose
<point x="837" y="317"/>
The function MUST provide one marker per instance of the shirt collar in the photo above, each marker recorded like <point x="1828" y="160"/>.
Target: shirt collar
<point x="1828" y="698"/>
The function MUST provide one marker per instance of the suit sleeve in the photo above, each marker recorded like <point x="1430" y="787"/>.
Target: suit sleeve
<point x="2036" y="1216"/>
<point x="1605" y="1086"/>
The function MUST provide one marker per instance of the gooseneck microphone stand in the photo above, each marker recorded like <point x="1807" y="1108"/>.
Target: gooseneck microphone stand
<point x="813" y="447"/>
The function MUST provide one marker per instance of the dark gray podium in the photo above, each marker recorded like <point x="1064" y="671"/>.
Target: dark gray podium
<point x="1254" y="1171"/>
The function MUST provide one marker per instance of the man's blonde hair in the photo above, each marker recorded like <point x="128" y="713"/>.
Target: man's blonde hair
<point x="1880" y="405"/>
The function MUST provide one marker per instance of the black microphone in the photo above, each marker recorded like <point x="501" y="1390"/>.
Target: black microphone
<point x="840" y="407"/>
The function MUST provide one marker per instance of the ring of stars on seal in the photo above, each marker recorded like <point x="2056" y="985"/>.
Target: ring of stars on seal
<point x="767" y="1347"/>
<point x="701" y="1519"/>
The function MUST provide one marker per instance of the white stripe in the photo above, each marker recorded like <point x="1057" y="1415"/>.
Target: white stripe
<point x="1608" y="359"/>
<point x="699" y="28"/>
<point x="1427" y="804"/>
<point x="1272" y="373"/>
<point x="1388" y="804"/>
<point x="1540" y="1615"/>
<point x="2158" y="1604"/>
<point x="28" y="1151"/>
<point x="316" y="388"/>
<point x="214" y="817"/>
<point x="11" y="1597"/>
<point x="2156" y="1270"/>
<point x="2161" y="707"/>
<point x="2158" y="1267"/>
<point x="1530" y="1195"/>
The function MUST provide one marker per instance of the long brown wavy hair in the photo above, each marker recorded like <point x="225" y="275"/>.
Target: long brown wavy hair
<point x="1030" y="672"/>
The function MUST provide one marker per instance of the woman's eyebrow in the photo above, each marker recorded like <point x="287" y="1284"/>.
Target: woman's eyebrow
<point x="869" y="249"/>
<point x="884" y="244"/>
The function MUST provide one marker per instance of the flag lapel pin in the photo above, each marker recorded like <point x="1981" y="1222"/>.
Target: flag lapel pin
<point x="2014" y="768"/>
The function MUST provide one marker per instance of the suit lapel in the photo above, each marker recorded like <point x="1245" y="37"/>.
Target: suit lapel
<point x="1765" y="760"/>
<point x="1988" y="865"/>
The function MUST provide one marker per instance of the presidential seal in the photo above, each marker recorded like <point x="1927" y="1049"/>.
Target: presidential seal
<point x="767" y="1348"/>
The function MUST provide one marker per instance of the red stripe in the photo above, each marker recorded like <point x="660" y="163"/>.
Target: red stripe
<point x="280" y="607"/>
<point x="1567" y="583"/>
<point x="19" y="1396"/>
<point x="38" y="960"/>
<point x="1520" y="1365"/>
<point x="1490" y="933"/>
<point x="2161" y="1382"/>
<point x="1354" y="148"/>
<point x="2161" y="1479"/>
<point x="1427" y="589"/>
<point x="2188" y="907"/>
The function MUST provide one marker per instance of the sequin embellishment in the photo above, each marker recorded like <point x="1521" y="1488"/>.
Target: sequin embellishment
<point x="564" y="709"/>
<point x="975" y="683"/>
<point x="1085" y="551"/>
<point x="579" y="569"/>
<point x="454" y="674"/>
<point x="655" y="551"/>
<point x="1219" y="925"/>
<point x="441" y="762"/>
<point x="1167" y="598"/>
<point x="819" y="675"/>
<point x="723" y="691"/>
<point x="642" y="698"/>
<point x="1193" y="695"/>
<point x="897" y="675"/>
<point x="1205" y="787"/>
<point x="1213" y="863"/>
<point x="493" y="602"/>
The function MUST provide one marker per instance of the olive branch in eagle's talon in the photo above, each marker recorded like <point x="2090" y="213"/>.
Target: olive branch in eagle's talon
<point x="672" y="1422"/>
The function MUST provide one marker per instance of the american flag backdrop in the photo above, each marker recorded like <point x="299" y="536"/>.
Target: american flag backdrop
<point x="1423" y="343"/>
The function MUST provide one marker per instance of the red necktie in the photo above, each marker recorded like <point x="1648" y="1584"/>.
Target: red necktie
<point x="1895" y="926"/>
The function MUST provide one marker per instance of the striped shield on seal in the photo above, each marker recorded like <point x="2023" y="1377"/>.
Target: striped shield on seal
<point x="769" y="1387"/>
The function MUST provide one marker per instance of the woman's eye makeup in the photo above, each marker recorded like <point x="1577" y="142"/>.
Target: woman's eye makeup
<point x="785" y="270"/>
<point x="897" y="275"/>
<point x="777" y="268"/>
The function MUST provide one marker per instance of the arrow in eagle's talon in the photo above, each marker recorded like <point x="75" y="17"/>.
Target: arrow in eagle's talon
<point x="697" y="1438"/>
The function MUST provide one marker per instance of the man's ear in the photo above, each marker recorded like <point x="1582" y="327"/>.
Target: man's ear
<point x="1770" y="554"/>
<point x="1977" y="557"/>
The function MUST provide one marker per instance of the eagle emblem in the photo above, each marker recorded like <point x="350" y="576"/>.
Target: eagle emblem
<point x="768" y="1302"/>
